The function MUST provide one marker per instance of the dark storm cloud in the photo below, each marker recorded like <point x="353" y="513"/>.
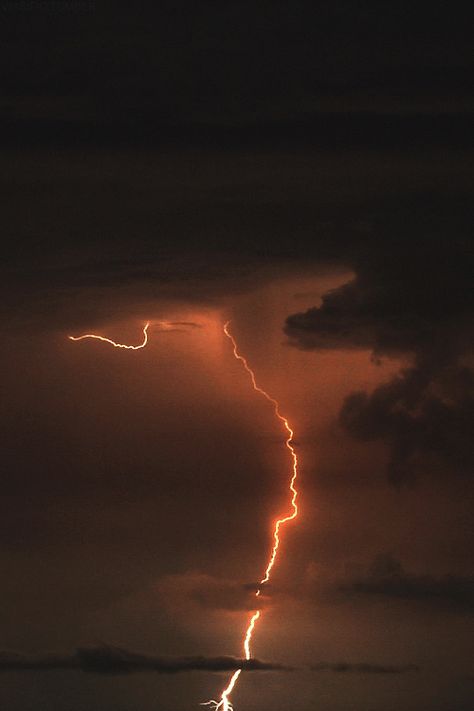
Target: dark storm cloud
<point x="364" y="668"/>
<point x="423" y="414"/>
<point x="404" y="298"/>
<point x="412" y="296"/>
<point x="387" y="579"/>
<point x="127" y="230"/>
<point x="106" y="659"/>
<point x="107" y="72"/>
<point x="35" y="291"/>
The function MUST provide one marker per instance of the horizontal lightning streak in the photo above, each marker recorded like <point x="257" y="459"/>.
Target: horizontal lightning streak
<point x="113" y="343"/>
<point x="224" y="703"/>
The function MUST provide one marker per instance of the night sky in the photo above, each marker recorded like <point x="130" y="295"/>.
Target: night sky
<point x="304" y="170"/>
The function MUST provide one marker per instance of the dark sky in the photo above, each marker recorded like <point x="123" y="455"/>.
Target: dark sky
<point x="305" y="170"/>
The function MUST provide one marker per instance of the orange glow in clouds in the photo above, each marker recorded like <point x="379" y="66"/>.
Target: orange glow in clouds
<point x="224" y="703"/>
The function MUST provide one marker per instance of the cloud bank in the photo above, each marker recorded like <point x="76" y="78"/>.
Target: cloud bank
<point x="387" y="578"/>
<point x="106" y="659"/>
<point x="364" y="668"/>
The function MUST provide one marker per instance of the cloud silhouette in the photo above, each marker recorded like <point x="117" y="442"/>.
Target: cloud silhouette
<point x="364" y="668"/>
<point x="413" y="301"/>
<point x="387" y="578"/>
<point x="423" y="412"/>
<point x="107" y="659"/>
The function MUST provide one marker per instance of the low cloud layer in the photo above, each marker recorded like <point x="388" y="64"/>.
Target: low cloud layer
<point x="387" y="578"/>
<point x="105" y="659"/>
<point x="364" y="668"/>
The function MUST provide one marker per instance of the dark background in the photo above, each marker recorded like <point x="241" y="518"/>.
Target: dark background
<point x="306" y="170"/>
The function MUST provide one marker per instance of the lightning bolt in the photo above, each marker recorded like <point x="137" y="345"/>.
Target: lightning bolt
<point x="113" y="343"/>
<point x="224" y="704"/>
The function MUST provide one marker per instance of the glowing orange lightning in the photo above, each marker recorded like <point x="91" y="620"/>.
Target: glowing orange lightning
<point x="112" y="343"/>
<point x="224" y="702"/>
